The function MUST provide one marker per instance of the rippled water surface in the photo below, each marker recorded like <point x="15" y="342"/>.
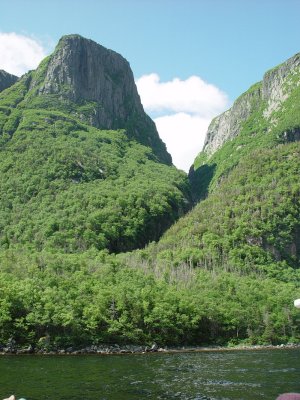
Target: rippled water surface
<point x="228" y="375"/>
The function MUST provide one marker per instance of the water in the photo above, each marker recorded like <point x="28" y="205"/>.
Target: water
<point x="228" y="375"/>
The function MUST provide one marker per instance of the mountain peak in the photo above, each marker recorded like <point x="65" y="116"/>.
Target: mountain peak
<point x="98" y="85"/>
<point x="81" y="70"/>
<point x="265" y="98"/>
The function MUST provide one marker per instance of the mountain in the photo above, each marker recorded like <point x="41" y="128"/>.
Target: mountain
<point x="94" y="85"/>
<point x="263" y="117"/>
<point x="235" y="256"/>
<point x="248" y="179"/>
<point x="6" y="80"/>
<point x="88" y="191"/>
<point x="265" y="104"/>
<point x="81" y="163"/>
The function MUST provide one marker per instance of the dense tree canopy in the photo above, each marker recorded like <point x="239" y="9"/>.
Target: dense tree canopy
<point x="83" y="211"/>
<point x="67" y="186"/>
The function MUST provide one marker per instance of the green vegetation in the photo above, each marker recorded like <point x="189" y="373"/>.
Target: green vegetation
<point x="249" y="224"/>
<point x="257" y="132"/>
<point x="94" y="298"/>
<point x="237" y="252"/>
<point x="83" y="211"/>
<point x="68" y="187"/>
<point x="250" y="219"/>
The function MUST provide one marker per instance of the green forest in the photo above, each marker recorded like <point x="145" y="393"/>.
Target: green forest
<point x="103" y="241"/>
<point x="70" y="187"/>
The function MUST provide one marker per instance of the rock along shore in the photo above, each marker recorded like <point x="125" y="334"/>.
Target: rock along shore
<point x="131" y="349"/>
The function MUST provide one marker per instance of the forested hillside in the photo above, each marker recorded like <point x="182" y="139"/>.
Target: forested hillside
<point x="251" y="180"/>
<point x="85" y="180"/>
<point x="66" y="184"/>
<point x="69" y="187"/>
<point x="243" y="235"/>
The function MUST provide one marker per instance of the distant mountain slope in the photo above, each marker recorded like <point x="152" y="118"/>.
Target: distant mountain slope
<point x="6" y="80"/>
<point x="249" y="223"/>
<point x="265" y="105"/>
<point x="266" y="115"/>
<point x="235" y="257"/>
<point x="67" y="180"/>
<point x="248" y="173"/>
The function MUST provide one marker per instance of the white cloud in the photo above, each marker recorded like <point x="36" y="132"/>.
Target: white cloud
<point x="185" y="109"/>
<point x="19" y="53"/>
<point x="184" y="136"/>
<point x="192" y="95"/>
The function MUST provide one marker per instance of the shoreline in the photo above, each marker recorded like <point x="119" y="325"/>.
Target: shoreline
<point x="140" y="350"/>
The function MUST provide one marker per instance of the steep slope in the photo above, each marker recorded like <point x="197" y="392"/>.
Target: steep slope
<point x="83" y="174"/>
<point x="266" y="115"/>
<point x="225" y="273"/>
<point x="68" y="181"/>
<point x="91" y="83"/>
<point x="249" y="173"/>
<point x="237" y="253"/>
<point x="6" y="80"/>
<point x="250" y="222"/>
<point x="265" y="102"/>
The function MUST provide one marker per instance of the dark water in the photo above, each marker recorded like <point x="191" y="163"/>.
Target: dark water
<point x="234" y="375"/>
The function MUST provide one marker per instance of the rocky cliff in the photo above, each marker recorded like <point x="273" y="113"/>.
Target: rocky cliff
<point x="265" y="99"/>
<point x="6" y="80"/>
<point x="97" y="85"/>
<point x="248" y="173"/>
<point x="81" y="160"/>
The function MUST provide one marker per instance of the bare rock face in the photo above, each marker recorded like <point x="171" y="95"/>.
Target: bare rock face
<point x="6" y="80"/>
<point x="87" y="71"/>
<point x="266" y="98"/>
<point x="278" y="83"/>
<point x="82" y="72"/>
<point x="227" y="125"/>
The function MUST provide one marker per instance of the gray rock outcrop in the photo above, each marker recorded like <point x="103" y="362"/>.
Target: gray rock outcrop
<point x="266" y="96"/>
<point x="6" y="80"/>
<point x="82" y="72"/>
<point x="227" y="125"/>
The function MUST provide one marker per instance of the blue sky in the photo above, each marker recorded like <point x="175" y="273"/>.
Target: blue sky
<point x="225" y="43"/>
